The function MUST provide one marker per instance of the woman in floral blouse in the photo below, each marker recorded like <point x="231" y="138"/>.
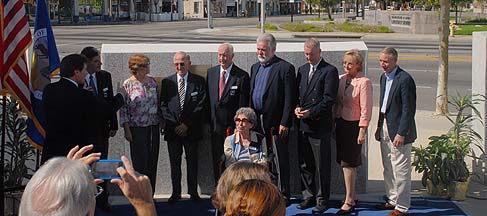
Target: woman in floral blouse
<point x="140" y="118"/>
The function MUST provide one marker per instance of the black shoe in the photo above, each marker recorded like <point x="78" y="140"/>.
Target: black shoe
<point x="319" y="208"/>
<point x="307" y="203"/>
<point x="174" y="198"/>
<point x="287" y="201"/>
<point x="350" y="210"/>
<point x="194" y="197"/>
<point x="105" y="206"/>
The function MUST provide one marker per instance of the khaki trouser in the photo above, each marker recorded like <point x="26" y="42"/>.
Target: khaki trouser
<point x="397" y="171"/>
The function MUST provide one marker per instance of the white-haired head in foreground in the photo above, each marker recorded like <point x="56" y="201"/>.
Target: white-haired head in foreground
<point x="60" y="187"/>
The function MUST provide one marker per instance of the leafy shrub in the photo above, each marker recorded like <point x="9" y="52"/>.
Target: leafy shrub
<point x="268" y="26"/>
<point x="320" y="19"/>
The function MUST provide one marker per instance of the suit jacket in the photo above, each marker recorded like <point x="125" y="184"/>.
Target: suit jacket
<point x="401" y="106"/>
<point x="235" y="95"/>
<point x="104" y="92"/>
<point x="69" y="116"/>
<point x="279" y="98"/>
<point x="194" y="102"/>
<point x="318" y="96"/>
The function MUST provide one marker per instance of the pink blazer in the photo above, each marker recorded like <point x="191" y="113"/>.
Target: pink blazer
<point x="355" y="102"/>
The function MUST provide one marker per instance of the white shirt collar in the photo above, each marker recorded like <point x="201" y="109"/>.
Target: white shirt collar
<point x="74" y="82"/>
<point x="185" y="77"/>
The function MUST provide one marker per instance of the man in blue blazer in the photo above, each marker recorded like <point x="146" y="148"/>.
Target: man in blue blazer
<point x="183" y="97"/>
<point x="396" y="131"/>
<point x="228" y="89"/>
<point x="273" y="97"/>
<point x="318" y="87"/>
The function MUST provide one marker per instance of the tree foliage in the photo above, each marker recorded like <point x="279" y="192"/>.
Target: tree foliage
<point x="328" y="4"/>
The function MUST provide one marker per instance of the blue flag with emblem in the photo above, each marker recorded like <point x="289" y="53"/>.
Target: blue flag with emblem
<point x="45" y="64"/>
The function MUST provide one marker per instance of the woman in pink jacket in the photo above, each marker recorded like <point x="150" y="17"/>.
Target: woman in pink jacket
<point x="353" y="112"/>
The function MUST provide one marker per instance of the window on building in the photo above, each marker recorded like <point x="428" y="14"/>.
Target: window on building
<point x="196" y="7"/>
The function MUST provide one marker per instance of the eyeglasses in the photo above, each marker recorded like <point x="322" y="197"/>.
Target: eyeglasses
<point x="99" y="190"/>
<point x="180" y="64"/>
<point x="243" y="120"/>
<point x="144" y="65"/>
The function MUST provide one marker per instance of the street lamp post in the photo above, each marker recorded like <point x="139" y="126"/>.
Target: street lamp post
<point x="262" y="16"/>
<point x="292" y="9"/>
<point x="210" y="21"/>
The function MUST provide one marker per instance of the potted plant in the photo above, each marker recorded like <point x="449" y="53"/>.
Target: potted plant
<point x="19" y="155"/>
<point x="442" y="162"/>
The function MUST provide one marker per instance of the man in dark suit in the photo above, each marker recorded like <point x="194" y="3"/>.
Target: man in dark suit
<point x="182" y="100"/>
<point x="396" y="131"/>
<point x="100" y="83"/>
<point x="273" y="97"/>
<point x="70" y="110"/>
<point x="228" y="89"/>
<point x="318" y="88"/>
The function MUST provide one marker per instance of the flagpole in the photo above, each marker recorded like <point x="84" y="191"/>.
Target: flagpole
<point x="4" y="116"/>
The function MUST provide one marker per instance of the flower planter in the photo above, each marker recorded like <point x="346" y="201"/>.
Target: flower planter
<point x="458" y="190"/>
<point x="435" y="190"/>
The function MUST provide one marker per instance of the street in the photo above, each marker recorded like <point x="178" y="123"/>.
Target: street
<point x="419" y="57"/>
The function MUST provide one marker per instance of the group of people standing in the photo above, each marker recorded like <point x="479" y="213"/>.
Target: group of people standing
<point x="250" y="118"/>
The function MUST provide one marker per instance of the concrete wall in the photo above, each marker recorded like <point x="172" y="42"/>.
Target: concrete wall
<point x="115" y="57"/>
<point x="414" y="22"/>
<point x="479" y="86"/>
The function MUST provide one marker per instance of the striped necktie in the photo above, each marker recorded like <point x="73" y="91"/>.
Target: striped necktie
<point x="182" y="93"/>
<point x="311" y="73"/>
<point x="92" y="85"/>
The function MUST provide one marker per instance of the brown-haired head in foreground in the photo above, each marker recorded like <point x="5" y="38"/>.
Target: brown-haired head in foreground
<point x="136" y="61"/>
<point x="255" y="198"/>
<point x="232" y="176"/>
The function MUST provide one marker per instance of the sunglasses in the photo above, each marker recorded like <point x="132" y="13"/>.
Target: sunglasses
<point x="99" y="190"/>
<point x="144" y="65"/>
<point x="243" y="120"/>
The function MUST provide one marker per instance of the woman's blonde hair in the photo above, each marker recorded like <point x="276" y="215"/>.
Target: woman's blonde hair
<point x="255" y="197"/>
<point x="356" y="56"/>
<point x="235" y="174"/>
<point x="136" y="60"/>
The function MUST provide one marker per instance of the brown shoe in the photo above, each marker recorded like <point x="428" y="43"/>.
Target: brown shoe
<point x="397" y="213"/>
<point x="385" y="206"/>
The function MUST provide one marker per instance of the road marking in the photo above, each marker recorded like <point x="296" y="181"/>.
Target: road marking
<point x="427" y="57"/>
<point x="420" y="87"/>
<point x="410" y="70"/>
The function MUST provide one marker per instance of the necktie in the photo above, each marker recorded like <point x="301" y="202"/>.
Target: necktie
<point x="311" y="73"/>
<point x="182" y="94"/>
<point x="91" y="83"/>
<point x="221" y="86"/>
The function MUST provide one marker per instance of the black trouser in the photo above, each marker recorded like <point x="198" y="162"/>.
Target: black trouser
<point x="282" y="147"/>
<point x="144" y="151"/>
<point x="175" y="148"/>
<point x="315" y="160"/>
<point x="102" y="147"/>
<point x="217" y="141"/>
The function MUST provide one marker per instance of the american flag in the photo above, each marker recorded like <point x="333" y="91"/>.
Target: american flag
<point x="16" y="38"/>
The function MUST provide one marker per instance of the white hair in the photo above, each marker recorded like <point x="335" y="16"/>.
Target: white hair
<point x="60" y="187"/>
<point x="269" y="39"/>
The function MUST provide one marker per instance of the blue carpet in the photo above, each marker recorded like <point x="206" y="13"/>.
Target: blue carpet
<point x="420" y="206"/>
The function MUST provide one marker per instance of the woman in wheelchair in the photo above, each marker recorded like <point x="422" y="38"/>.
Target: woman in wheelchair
<point x="245" y="144"/>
